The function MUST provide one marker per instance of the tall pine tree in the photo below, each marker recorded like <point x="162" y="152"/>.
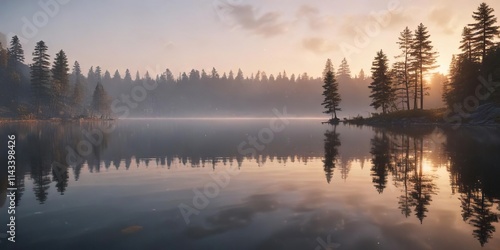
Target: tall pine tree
<point x="79" y="90"/>
<point x="40" y="77"/>
<point x="425" y="57"/>
<point x="382" y="93"/>
<point x="60" y="82"/>
<point x="330" y="91"/>
<point x="16" y="52"/>
<point x="344" y="70"/>
<point x="483" y="30"/>
<point x="405" y="45"/>
<point x="101" y="101"/>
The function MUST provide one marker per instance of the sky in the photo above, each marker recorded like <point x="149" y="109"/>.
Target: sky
<point x="295" y="36"/>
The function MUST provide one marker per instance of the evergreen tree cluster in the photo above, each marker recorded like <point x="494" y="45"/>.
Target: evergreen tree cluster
<point x="45" y="90"/>
<point x="403" y="86"/>
<point x="474" y="71"/>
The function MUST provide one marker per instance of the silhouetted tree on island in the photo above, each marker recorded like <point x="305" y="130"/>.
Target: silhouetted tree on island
<point x="330" y="91"/>
<point x="382" y="93"/>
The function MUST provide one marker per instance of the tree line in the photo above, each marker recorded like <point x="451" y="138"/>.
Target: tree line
<point x="402" y="86"/>
<point x="46" y="89"/>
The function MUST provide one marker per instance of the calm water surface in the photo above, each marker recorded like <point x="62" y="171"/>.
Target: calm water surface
<point x="187" y="184"/>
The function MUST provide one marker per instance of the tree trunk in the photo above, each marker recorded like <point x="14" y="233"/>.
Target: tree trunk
<point x="421" y="88"/>
<point x="416" y="91"/>
<point x="407" y="87"/>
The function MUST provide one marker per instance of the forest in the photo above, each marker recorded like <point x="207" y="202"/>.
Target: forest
<point x="43" y="89"/>
<point x="472" y="80"/>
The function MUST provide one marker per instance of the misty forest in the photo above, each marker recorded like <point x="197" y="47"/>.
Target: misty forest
<point x="43" y="88"/>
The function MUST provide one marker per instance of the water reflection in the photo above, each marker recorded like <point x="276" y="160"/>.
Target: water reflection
<point x="332" y="142"/>
<point x="471" y="159"/>
<point x="402" y="162"/>
<point x="474" y="171"/>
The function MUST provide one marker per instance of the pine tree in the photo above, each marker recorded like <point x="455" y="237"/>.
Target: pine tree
<point x="466" y="44"/>
<point x="16" y="52"/>
<point x="128" y="78"/>
<point x="239" y="76"/>
<point x="344" y="70"/>
<point x="361" y="75"/>
<point x="116" y="76"/>
<point x="79" y="91"/>
<point x="382" y="93"/>
<point x="484" y="30"/>
<point x="137" y="79"/>
<point x="107" y="78"/>
<point x="169" y="76"/>
<point x="425" y="57"/>
<point x="98" y="73"/>
<point x="101" y="101"/>
<point x="13" y="75"/>
<point x="405" y="45"/>
<point x="77" y="71"/>
<point x="257" y="76"/>
<point x="204" y="75"/>
<point x="194" y="75"/>
<point x="264" y="77"/>
<point x="271" y="78"/>
<point x="214" y="75"/>
<point x="91" y="75"/>
<point x="60" y="81"/>
<point x="330" y="91"/>
<point x="40" y="76"/>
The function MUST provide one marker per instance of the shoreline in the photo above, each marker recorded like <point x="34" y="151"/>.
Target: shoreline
<point x="16" y="120"/>
<point x="428" y="117"/>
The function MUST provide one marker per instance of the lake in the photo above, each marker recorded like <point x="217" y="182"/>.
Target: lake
<point x="251" y="184"/>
